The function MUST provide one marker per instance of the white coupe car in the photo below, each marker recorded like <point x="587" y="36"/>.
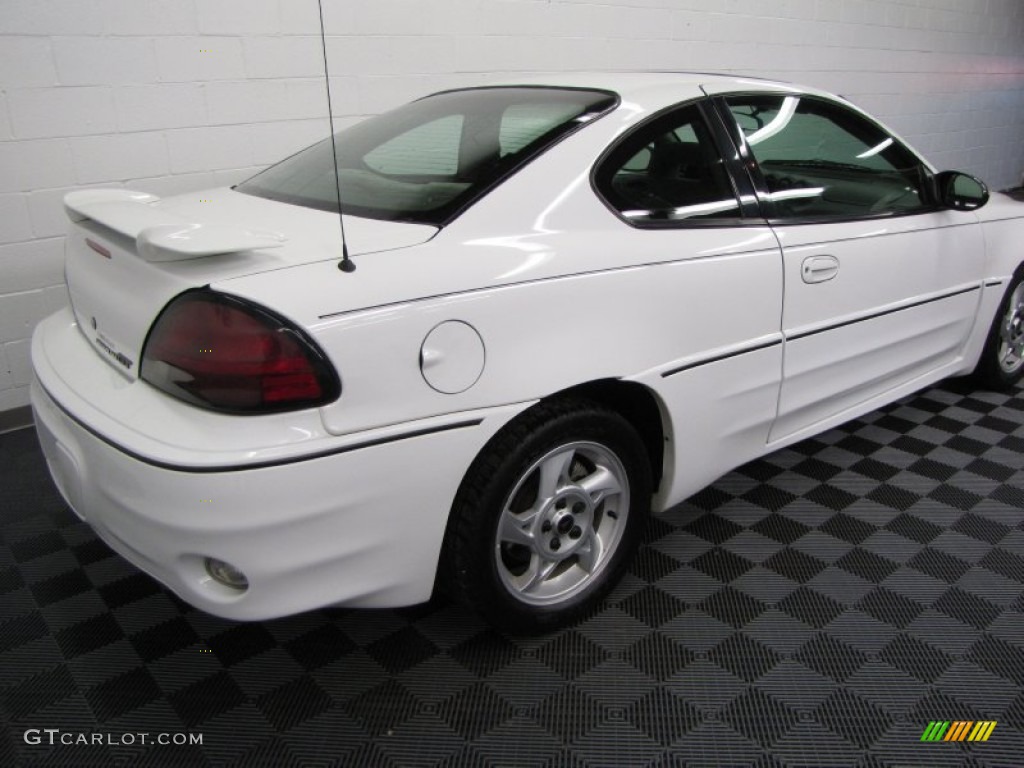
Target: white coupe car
<point x="566" y="304"/>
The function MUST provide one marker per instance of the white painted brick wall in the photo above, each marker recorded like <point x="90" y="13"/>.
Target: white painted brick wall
<point x="104" y="60"/>
<point x="197" y="59"/>
<point x="174" y="95"/>
<point x="61" y="111"/>
<point x="160" y="106"/>
<point x="26" y="62"/>
<point x="33" y="264"/>
<point x="31" y="164"/>
<point x="5" y="120"/>
<point x="119" y="156"/>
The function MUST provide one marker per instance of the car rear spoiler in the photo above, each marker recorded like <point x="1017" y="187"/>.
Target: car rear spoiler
<point x="158" y="235"/>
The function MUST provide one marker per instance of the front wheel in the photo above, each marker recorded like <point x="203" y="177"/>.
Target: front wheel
<point x="548" y="516"/>
<point x="1002" y="361"/>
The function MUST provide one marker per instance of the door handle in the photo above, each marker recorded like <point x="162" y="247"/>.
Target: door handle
<point x="819" y="269"/>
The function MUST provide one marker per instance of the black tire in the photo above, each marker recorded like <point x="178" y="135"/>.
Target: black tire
<point x="588" y="543"/>
<point x="991" y="372"/>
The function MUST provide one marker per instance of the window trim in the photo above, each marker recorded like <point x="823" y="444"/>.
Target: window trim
<point x="756" y="175"/>
<point x="750" y="212"/>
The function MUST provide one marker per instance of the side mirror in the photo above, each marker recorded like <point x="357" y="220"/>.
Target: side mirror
<point x="960" y="191"/>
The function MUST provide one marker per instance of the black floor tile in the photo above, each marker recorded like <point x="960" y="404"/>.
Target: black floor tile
<point x="38" y="692"/>
<point x="88" y="635"/>
<point x="831" y="657"/>
<point x="760" y="717"/>
<point x="818" y="607"/>
<point x="867" y="565"/>
<point x="848" y="528"/>
<point x="939" y="564"/>
<point x="16" y="631"/>
<point x="37" y="546"/>
<point x="890" y="607"/>
<point x="474" y="711"/>
<point x="60" y="587"/>
<point x="321" y="646"/>
<point x="856" y="719"/>
<point x="206" y="699"/>
<point x="967" y="608"/>
<point x="915" y="657"/>
<point x="658" y="655"/>
<point x="744" y="657"/>
<point x="128" y="590"/>
<point x="914" y="527"/>
<point x="164" y="639"/>
<point x="722" y="564"/>
<point x="122" y="694"/>
<point x="663" y="716"/>
<point x="293" y="703"/>
<point x="795" y="565"/>
<point x="780" y="528"/>
<point x="829" y="496"/>
<point x="402" y="650"/>
<point x="241" y="642"/>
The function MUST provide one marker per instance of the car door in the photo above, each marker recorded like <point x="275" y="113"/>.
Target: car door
<point x="677" y="181"/>
<point x="881" y="284"/>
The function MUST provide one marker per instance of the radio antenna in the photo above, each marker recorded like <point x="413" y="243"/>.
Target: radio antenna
<point x="346" y="265"/>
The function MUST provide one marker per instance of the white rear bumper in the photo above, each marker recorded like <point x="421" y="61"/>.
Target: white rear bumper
<point x="359" y="526"/>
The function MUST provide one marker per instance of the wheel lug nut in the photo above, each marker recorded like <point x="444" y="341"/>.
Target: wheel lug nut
<point x="576" y="532"/>
<point x="578" y="508"/>
<point x="546" y="526"/>
<point x="555" y="544"/>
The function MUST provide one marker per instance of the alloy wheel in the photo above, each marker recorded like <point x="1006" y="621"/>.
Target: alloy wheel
<point x="1011" y="333"/>
<point x="562" y="523"/>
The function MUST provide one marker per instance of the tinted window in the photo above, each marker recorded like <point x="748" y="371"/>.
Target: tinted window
<point x="821" y="160"/>
<point x="669" y="171"/>
<point x="426" y="150"/>
<point x="522" y="124"/>
<point x="426" y="160"/>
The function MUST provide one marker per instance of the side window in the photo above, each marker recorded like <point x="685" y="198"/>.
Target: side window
<point x="668" y="171"/>
<point x="823" y="161"/>
<point x="431" y="149"/>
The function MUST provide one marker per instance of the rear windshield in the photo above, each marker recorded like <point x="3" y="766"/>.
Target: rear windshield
<point x="424" y="162"/>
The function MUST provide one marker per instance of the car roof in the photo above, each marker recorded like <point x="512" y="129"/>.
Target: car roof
<point x="654" y="90"/>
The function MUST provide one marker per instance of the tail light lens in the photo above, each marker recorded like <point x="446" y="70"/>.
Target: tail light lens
<point x="226" y="354"/>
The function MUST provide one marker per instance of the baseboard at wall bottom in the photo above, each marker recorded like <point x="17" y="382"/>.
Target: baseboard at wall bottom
<point x="15" y="418"/>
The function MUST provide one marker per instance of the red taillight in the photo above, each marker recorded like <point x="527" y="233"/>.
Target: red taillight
<point x="224" y="353"/>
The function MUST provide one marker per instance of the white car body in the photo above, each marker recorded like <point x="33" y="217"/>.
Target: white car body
<point x="537" y="288"/>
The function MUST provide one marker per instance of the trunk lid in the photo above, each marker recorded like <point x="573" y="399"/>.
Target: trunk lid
<point x="129" y="253"/>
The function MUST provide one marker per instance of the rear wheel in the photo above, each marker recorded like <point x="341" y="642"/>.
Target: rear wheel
<point x="548" y="516"/>
<point x="1002" y="361"/>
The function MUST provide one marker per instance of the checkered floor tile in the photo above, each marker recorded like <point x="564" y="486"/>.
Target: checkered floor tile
<point x="819" y="607"/>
